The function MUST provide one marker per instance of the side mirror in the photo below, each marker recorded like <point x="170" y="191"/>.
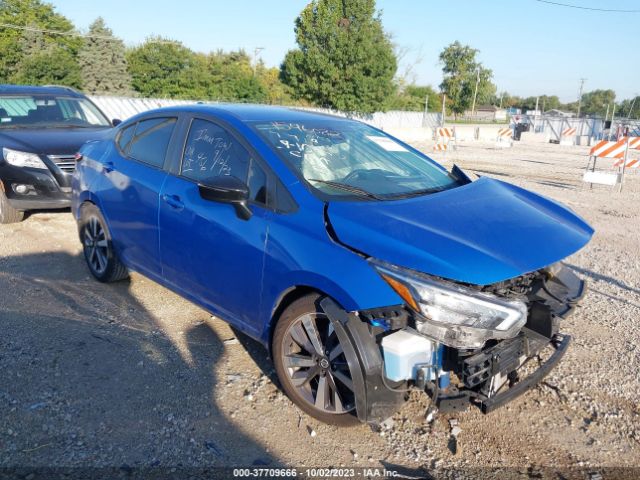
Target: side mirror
<point x="227" y="189"/>
<point x="115" y="122"/>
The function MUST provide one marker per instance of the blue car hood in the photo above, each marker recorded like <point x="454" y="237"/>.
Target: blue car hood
<point x="480" y="233"/>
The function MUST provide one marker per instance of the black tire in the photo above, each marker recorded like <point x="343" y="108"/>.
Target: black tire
<point x="99" y="254"/>
<point x="8" y="214"/>
<point x="317" y="383"/>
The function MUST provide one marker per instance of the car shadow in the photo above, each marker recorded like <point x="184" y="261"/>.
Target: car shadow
<point x="90" y="379"/>
<point x="603" y="278"/>
<point x="30" y="213"/>
<point x="259" y="354"/>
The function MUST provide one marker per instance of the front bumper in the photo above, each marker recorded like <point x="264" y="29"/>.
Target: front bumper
<point x="488" y="377"/>
<point x="46" y="189"/>
<point x="491" y="377"/>
<point x="560" y="343"/>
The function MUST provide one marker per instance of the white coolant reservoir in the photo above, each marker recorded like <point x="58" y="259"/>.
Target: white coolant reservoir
<point x="404" y="351"/>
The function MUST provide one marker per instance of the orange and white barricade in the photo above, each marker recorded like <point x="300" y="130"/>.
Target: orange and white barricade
<point x="609" y="149"/>
<point x="617" y="150"/>
<point x="504" y="138"/>
<point x="445" y="137"/>
<point x="634" y="143"/>
<point x="568" y="136"/>
<point x="630" y="163"/>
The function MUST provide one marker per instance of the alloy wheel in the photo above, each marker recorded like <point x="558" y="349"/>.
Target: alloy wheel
<point x="96" y="245"/>
<point x="316" y="365"/>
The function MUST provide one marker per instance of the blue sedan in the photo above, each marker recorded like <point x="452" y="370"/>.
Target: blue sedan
<point x="366" y="268"/>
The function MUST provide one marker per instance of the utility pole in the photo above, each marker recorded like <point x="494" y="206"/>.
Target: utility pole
<point x="473" y="107"/>
<point x="444" y="99"/>
<point x="631" y="108"/>
<point x="582" y="80"/>
<point x="426" y="111"/>
<point x="256" y="51"/>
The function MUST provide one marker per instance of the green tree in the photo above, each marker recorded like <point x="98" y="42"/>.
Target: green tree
<point x="163" y="68"/>
<point x="277" y="93"/>
<point x="596" y="101"/>
<point x="102" y="62"/>
<point x="344" y="60"/>
<point x="507" y="100"/>
<point x="34" y="14"/>
<point x="413" y="97"/>
<point x="45" y="63"/>
<point x="549" y="102"/>
<point x="461" y="71"/>
<point x="629" y="108"/>
<point x="232" y="78"/>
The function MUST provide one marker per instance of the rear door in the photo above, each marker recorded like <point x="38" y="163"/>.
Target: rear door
<point x="129" y="194"/>
<point x="208" y="253"/>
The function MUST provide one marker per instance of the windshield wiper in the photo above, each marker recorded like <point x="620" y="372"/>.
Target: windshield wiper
<point x="418" y="193"/>
<point x="347" y="188"/>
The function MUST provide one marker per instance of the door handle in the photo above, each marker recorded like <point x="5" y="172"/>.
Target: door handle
<point x="107" y="167"/>
<point x="173" y="201"/>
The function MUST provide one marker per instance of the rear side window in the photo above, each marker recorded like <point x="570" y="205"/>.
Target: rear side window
<point x="149" y="145"/>
<point x="211" y="151"/>
<point x="125" y="137"/>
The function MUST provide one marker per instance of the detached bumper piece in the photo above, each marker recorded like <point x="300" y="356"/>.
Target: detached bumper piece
<point x="374" y="401"/>
<point x="561" y="344"/>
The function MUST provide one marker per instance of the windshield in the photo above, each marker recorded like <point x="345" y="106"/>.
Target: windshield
<point x="341" y="158"/>
<point x="40" y="111"/>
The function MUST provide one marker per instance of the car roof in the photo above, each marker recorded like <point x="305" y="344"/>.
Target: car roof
<point x="253" y="113"/>
<point x="37" y="90"/>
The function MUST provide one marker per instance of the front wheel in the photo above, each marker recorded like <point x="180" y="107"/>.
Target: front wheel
<point x="311" y="363"/>
<point x="102" y="260"/>
<point x="8" y="214"/>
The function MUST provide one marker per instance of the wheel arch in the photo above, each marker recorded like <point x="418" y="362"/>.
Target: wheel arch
<point x="285" y="299"/>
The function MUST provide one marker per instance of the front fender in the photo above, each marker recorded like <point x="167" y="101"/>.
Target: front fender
<point x="298" y="257"/>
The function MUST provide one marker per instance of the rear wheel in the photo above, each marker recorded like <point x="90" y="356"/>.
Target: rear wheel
<point x="101" y="258"/>
<point x="8" y="214"/>
<point x="311" y="364"/>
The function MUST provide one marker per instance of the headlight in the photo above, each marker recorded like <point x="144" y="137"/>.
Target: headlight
<point x="22" y="159"/>
<point x="457" y="316"/>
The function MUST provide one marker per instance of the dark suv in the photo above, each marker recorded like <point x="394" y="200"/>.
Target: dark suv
<point x="41" y="129"/>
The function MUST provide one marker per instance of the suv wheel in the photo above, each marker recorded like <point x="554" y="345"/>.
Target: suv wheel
<point x="311" y="365"/>
<point x="8" y="214"/>
<point x="101" y="258"/>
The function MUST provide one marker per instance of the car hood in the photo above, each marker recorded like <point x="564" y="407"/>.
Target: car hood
<point x="480" y="233"/>
<point x="50" y="140"/>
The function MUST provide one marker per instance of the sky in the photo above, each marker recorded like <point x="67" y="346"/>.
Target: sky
<point x="533" y="48"/>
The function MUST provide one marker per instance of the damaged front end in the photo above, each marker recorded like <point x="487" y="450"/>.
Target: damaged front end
<point x="461" y="344"/>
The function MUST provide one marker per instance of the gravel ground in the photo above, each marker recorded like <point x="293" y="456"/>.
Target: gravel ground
<point x="130" y="375"/>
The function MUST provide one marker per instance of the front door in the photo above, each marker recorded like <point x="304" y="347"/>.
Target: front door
<point x="208" y="252"/>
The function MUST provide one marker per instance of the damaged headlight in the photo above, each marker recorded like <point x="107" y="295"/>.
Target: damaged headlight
<point x="452" y="314"/>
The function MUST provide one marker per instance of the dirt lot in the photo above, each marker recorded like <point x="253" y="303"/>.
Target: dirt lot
<point x="131" y="375"/>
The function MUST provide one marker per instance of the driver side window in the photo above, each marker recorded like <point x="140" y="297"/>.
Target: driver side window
<point x="211" y="151"/>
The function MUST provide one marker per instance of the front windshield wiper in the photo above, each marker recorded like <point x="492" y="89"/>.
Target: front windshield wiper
<point x="347" y="188"/>
<point x="418" y="193"/>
